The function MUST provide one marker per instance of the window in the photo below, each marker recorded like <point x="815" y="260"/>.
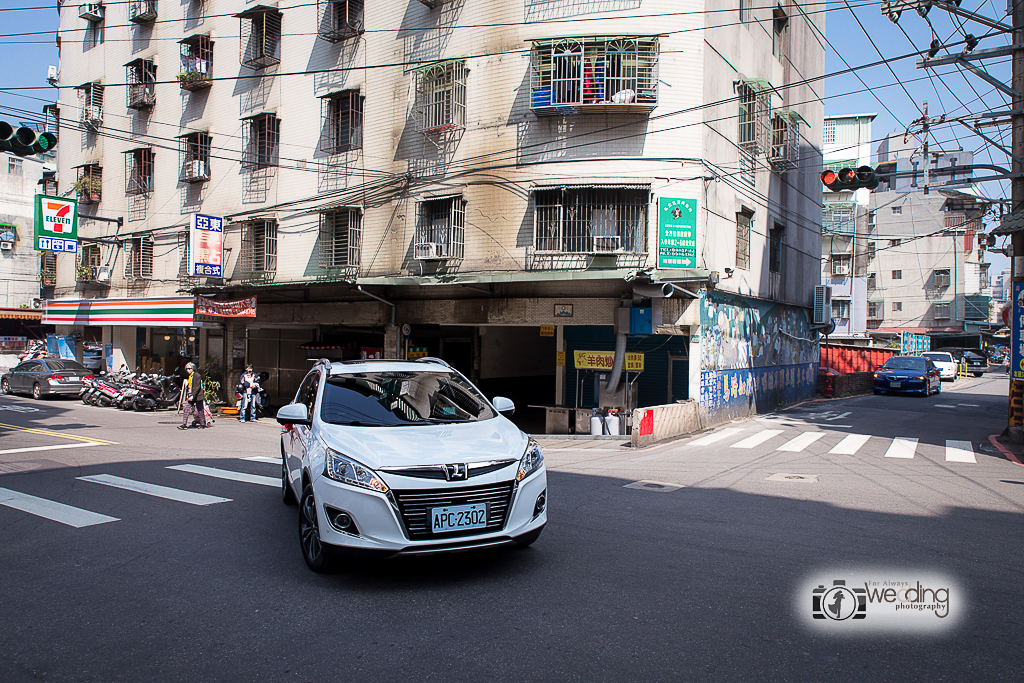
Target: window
<point x="183" y="247"/>
<point x="897" y="306"/>
<point x="261" y="138"/>
<point x="872" y="282"/>
<point x="441" y="97"/>
<point x="14" y="166"/>
<point x="897" y="275"/>
<point x="259" y="246"/>
<point x="875" y="309"/>
<point x="138" y="171"/>
<point x="89" y="183"/>
<point x="870" y="251"/>
<point x="743" y="221"/>
<point x="871" y="219"/>
<point x="840" y="308"/>
<point x="339" y="19"/>
<point x="941" y="278"/>
<point x="89" y="259"/>
<point x="838" y="218"/>
<point x="196" y="63"/>
<point x="830" y="132"/>
<point x="141" y="78"/>
<point x="591" y="219"/>
<point x="342" y="122"/>
<point x="895" y="243"/>
<point x="48" y="269"/>
<point x="745" y="15"/>
<point x="440" y="229"/>
<point x="260" y="38"/>
<point x="897" y="210"/>
<point x="785" y="139"/>
<point x="141" y="11"/>
<point x="340" y="233"/>
<point x="842" y="265"/>
<point x="779" y="24"/>
<point x="594" y="74"/>
<point x="941" y="311"/>
<point x="775" y="241"/>
<point x="194" y="157"/>
<point x="90" y="99"/>
<point x="138" y="258"/>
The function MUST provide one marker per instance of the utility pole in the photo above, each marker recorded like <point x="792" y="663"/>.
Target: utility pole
<point x="1017" y="186"/>
<point x="924" y="134"/>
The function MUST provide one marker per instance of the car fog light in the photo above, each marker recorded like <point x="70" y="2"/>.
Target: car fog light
<point x="542" y="500"/>
<point x="341" y="520"/>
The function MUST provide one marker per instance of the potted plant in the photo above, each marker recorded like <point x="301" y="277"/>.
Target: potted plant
<point x="88" y="188"/>
<point x="83" y="272"/>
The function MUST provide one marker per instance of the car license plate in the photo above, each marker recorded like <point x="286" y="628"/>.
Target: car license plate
<point x="458" y="517"/>
<point x="895" y="385"/>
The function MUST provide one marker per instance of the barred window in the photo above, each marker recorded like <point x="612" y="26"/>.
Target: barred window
<point x="194" y="157"/>
<point x="196" y="63"/>
<point x="48" y="268"/>
<point x="88" y="184"/>
<point x="138" y="258"/>
<point x="340" y="19"/>
<point x="342" y="122"/>
<point x="90" y="98"/>
<point x="259" y="246"/>
<point x="441" y="95"/>
<point x="440" y="229"/>
<point x="591" y="219"/>
<point x="942" y="278"/>
<point x="743" y="222"/>
<point x="261" y="138"/>
<point x="183" y="248"/>
<point x="876" y="309"/>
<point x="340" y="233"/>
<point x="840" y="308"/>
<point x="138" y="171"/>
<point x="141" y="79"/>
<point x="830" y="132"/>
<point x="260" y="38"/>
<point x="942" y="311"/>
<point x="754" y="113"/>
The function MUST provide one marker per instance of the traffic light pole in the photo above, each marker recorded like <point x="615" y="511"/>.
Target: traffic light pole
<point x="1017" y="194"/>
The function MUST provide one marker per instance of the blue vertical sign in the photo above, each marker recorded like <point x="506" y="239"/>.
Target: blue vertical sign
<point x="1017" y="327"/>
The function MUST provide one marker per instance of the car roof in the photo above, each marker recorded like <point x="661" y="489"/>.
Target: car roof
<point x="418" y="365"/>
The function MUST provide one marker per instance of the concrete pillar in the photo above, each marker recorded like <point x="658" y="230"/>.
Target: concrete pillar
<point x="391" y="349"/>
<point x="560" y="369"/>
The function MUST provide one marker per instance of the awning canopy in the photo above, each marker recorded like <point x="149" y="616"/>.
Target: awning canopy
<point x="157" y="312"/>
<point x="1011" y="224"/>
<point x="21" y="313"/>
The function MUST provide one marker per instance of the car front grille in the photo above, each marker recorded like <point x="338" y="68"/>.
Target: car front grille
<point x="415" y="507"/>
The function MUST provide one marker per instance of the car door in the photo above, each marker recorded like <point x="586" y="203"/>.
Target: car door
<point x="295" y="437"/>
<point x="28" y="375"/>
<point x="933" y="375"/>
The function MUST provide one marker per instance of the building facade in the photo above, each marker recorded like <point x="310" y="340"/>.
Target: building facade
<point x="489" y="182"/>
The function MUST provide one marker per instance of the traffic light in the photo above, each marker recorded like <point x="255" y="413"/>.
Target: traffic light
<point x="24" y="141"/>
<point x="846" y="179"/>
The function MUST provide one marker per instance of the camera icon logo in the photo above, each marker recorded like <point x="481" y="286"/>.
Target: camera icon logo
<point x="839" y="603"/>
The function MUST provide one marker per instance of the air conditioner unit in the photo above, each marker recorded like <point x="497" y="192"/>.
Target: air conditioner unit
<point x="6" y="246"/>
<point x="197" y="169"/>
<point x="51" y="73"/>
<point x="429" y="250"/>
<point x="94" y="115"/>
<point x="92" y="11"/>
<point x="840" y="268"/>
<point x="822" y="305"/>
<point x="103" y="274"/>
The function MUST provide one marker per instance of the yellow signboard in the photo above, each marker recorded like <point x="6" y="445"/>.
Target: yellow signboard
<point x="560" y="358"/>
<point x="602" y="360"/>
<point x="547" y="330"/>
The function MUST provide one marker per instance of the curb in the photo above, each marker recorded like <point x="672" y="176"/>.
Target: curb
<point x="1005" y="451"/>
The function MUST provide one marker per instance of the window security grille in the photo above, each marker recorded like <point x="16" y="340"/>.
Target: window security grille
<point x="942" y="278"/>
<point x="754" y="116"/>
<point x="48" y="269"/>
<point x="89" y="260"/>
<point x="785" y="149"/>
<point x="591" y="220"/>
<point x="89" y="183"/>
<point x="183" y="240"/>
<point x="261" y="140"/>
<point x="141" y="11"/>
<point x="840" y="308"/>
<point x="594" y="74"/>
<point x="875" y="310"/>
<point x="260" y="33"/>
<point x="90" y="103"/>
<point x="440" y="229"/>
<point x="441" y="97"/>
<point x="342" y="122"/>
<point x="829" y="133"/>
<point x="339" y="19"/>
<point x="259" y="247"/>
<point x="842" y="265"/>
<point x="138" y="171"/>
<point x="838" y="218"/>
<point x="743" y="221"/>
<point x="872" y="281"/>
<point x="194" y="157"/>
<point x="141" y="79"/>
<point x="196" y="63"/>
<point x="340" y="233"/>
<point x="138" y="258"/>
<point x="870" y="252"/>
<point x="942" y="311"/>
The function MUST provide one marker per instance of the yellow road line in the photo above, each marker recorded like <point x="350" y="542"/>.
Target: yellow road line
<point x="46" y="432"/>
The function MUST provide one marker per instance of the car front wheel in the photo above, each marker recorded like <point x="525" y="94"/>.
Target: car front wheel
<point x="313" y="551"/>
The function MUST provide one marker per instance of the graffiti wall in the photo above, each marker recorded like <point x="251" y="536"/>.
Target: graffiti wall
<point x="754" y="356"/>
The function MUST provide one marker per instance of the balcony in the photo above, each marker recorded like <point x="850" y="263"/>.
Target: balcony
<point x="838" y="218"/>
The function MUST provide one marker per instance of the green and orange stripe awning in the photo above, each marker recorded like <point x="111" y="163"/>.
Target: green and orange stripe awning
<point x="158" y="312"/>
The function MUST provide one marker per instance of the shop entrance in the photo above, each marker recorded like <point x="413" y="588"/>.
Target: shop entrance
<point x="276" y="351"/>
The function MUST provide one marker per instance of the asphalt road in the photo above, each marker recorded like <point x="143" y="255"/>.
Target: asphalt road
<point x="701" y="582"/>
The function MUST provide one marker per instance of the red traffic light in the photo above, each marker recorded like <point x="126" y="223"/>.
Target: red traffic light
<point x="829" y="178"/>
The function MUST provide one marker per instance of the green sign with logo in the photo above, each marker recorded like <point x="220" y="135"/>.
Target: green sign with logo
<point x="677" y="233"/>
<point x="56" y="224"/>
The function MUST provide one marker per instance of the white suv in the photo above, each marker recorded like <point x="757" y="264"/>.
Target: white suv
<point x="406" y="457"/>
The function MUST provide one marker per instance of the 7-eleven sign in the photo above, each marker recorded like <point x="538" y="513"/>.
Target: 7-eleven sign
<point x="56" y="225"/>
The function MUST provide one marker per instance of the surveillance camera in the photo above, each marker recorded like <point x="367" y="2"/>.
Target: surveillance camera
<point x="729" y="272"/>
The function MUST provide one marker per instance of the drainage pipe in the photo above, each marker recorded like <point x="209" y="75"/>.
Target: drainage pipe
<point x="620" y="360"/>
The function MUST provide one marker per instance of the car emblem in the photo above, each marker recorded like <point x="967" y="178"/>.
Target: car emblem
<point x="457" y="472"/>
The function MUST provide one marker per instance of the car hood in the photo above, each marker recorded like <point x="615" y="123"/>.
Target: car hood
<point x="493" y="439"/>
<point x="898" y="373"/>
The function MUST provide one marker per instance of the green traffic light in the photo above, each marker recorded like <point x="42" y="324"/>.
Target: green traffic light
<point x="23" y="141"/>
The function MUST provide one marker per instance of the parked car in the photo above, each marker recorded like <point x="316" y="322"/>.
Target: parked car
<point x="406" y="457"/>
<point x="944" y="361"/>
<point x="45" y="377"/>
<point x="908" y="374"/>
<point x="977" y="361"/>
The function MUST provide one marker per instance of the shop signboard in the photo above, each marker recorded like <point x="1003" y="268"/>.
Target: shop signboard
<point x="233" y="308"/>
<point x="603" y="360"/>
<point x="1017" y="331"/>
<point x="914" y="344"/>
<point x="56" y="224"/>
<point x="418" y="352"/>
<point x="206" y="246"/>
<point x="677" y="233"/>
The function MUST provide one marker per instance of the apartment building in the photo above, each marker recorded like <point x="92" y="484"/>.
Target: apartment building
<point x="489" y="182"/>
<point x="846" y="144"/>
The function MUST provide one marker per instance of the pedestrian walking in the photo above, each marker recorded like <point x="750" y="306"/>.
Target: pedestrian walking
<point x="192" y="391"/>
<point x="249" y="386"/>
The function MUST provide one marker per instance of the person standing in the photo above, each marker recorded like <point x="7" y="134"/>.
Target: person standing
<point x="250" y="390"/>
<point x="192" y="390"/>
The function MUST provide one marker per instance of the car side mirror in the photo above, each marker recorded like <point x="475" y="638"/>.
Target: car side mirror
<point x="294" y="414"/>
<point x="503" y="405"/>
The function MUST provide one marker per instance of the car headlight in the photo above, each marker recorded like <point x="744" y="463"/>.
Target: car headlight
<point x="920" y="379"/>
<point x="346" y="470"/>
<point x="532" y="460"/>
<point x="877" y="375"/>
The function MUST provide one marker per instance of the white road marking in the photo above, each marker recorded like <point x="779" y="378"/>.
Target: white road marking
<point x="277" y="461"/>
<point x="837" y="416"/>
<point x="757" y="439"/>
<point x="902" y="447"/>
<point x="167" y="492"/>
<point x="717" y="436"/>
<point x="801" y="442"/>
<point x="51" y="448"/>
<point x="850" y="444"/>
<point x="227" y="474"/>
<point x="959" y="451"/>
<point x="943" y="405"/>
<point x="48" y="509"/>
<point x="969" y="405"/>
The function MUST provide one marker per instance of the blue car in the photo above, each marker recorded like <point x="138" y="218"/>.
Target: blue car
<point x="908" y="374"/>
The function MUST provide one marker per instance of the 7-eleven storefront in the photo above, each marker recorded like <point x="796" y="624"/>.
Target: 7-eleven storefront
<point x="157" y="334"/>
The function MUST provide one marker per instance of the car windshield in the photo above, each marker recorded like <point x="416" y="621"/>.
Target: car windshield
<point x="905" y="363"/>
<point x="65" y="365"/>
<point x="939" y="357"/>
<point x="392" y="399"/>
